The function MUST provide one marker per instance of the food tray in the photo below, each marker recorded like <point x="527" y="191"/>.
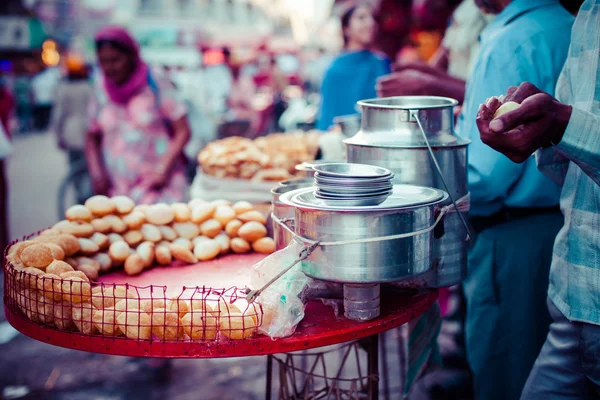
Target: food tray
<point x="222" y="279"/>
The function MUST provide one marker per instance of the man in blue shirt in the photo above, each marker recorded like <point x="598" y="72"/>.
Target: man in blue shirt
<point x="514" y="208"/>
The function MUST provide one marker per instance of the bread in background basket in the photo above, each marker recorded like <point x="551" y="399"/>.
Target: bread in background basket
<point x="270" y="158"/>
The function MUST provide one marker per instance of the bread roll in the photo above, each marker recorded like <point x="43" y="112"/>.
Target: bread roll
<point x="211" y="228"/>
<point x="239" y="245"/>
<point x="237" y="326"/>
<point x="100" y="205"/>
<point x="187" y="230"/>
<point x="178" y="305"/>
<point x="505" y="108"/>
<point x="30" y="276"/>
<point x="74" y="274"/>
<point x="60" y="225"/>
<point x="134" y="264"/>
<point x="82" y="318"/>
<point x="37" y="255"/>
<point x="163" y="255"/>
<point x="58" y="267"/>
<point x="224" y="242"/>
<point x="135" y="324"/>
<point x="57" y="252"/>
<point x="50" y="232"/>
<point x="101" y="240"/>
<point x="264" y="245"/>
<point x="75" y="290"/>
<point x="69" y="244"/>
<point x="134" y="220"/>
<point x="100" y="225"/>
<point x="200" y="325"/>
<point x="182" y="254"/>
<point x="105" y="320"/>
<point x="233" y="227"/>
<point x="151" y="233"/>
<point x="117" y="225"/>
<point x="123" y="204"/>
<point x="146" y="252"/>
<point x="119" y="251"/>
<point x="88" y="261"/>
<point x="196" y="202"/>
<point x="160" y="214"/>
<point x="133" y="238"/>
<point x="202" y="213"/>
<point x="207" y="250"/>
<point x="241" y="207"/>
<point x="187" y="243"/>
<point x="87" y="247"/>
<point x="79" y="229"/>
<point x="252" y="231"/>
<point x="49" y="286"/>
<point x="167" y="233"/>
<point x="89" y="271"/>
<point x="224" y="214"/>
<point x="252" y="216"/>
<point x="114" y="237"/>
<point x="63" y="316"/>
<point x="183" y="213"/>
<point x="166" y="325"/>
<point x="79" y="213"/>
<point x="104" y="261"/>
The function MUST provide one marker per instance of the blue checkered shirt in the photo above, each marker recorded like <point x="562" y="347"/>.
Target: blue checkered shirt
<point x="575" y="164"/>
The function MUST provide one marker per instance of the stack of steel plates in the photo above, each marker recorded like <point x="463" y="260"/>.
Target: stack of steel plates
<point x="352" y="184"/>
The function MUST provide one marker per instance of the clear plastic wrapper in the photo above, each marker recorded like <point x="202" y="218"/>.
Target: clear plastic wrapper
<point x="282" y="302"/>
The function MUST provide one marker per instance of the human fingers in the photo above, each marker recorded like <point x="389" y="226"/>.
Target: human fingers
<point x="524" y="91"/>
<point x="532" y="108"/>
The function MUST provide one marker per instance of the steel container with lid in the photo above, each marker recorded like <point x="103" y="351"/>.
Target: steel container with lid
<point x="409" y="209"/>
<point x="390" y="137"/>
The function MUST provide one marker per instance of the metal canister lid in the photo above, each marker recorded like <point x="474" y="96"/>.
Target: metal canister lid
<point x="403" y="197"/>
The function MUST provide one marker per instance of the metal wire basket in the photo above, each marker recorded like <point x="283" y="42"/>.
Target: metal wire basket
<point x="141" y="313"/>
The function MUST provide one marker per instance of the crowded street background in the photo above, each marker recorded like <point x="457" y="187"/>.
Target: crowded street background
<point x="120" y="97"/>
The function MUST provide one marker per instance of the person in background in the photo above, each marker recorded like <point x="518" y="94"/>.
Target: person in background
<point x="352" y="75"/>
<point x="43" y="87"/>
<point x="138" y="127"/>
<point x="514" y="208"/>
<point x="69" y="121"/>
<point x="564" y="133"/>
<point x="446" y="73"/>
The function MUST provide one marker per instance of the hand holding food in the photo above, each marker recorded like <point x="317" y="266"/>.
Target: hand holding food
<point x="517" y="132"/>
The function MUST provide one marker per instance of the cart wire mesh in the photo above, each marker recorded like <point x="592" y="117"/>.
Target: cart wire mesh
<point x="122" y="311"/>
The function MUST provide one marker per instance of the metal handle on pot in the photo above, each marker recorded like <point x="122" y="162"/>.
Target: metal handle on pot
<point x="437" y="166"/>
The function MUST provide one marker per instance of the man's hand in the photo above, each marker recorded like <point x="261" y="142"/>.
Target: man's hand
<point x="540" y="121"/>
<point x="408" y="82"/>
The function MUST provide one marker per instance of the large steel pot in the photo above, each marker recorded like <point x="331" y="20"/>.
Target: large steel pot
<point x="391" y="138"/>
<point x="408" y="209"/>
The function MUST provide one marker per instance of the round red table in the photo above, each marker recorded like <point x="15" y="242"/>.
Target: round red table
<point x="320" y="326"/>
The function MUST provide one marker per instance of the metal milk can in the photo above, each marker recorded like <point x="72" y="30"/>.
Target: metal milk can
<point x="390" y="137"/>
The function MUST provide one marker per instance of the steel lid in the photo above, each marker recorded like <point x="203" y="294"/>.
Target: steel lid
<point x="390" y="123"/>
<point x="403" y="197"/>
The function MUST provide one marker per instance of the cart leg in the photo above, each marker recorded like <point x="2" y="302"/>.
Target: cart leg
<point x="373" y="367"/>
<point x="385" y="377"/>
<point x="269" y="387"/>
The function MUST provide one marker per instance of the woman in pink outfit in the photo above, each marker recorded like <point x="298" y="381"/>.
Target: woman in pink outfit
<point x="138" y="128"/>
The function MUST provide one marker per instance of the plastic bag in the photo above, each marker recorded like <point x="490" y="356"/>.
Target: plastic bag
<point x="281" y="302"/>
